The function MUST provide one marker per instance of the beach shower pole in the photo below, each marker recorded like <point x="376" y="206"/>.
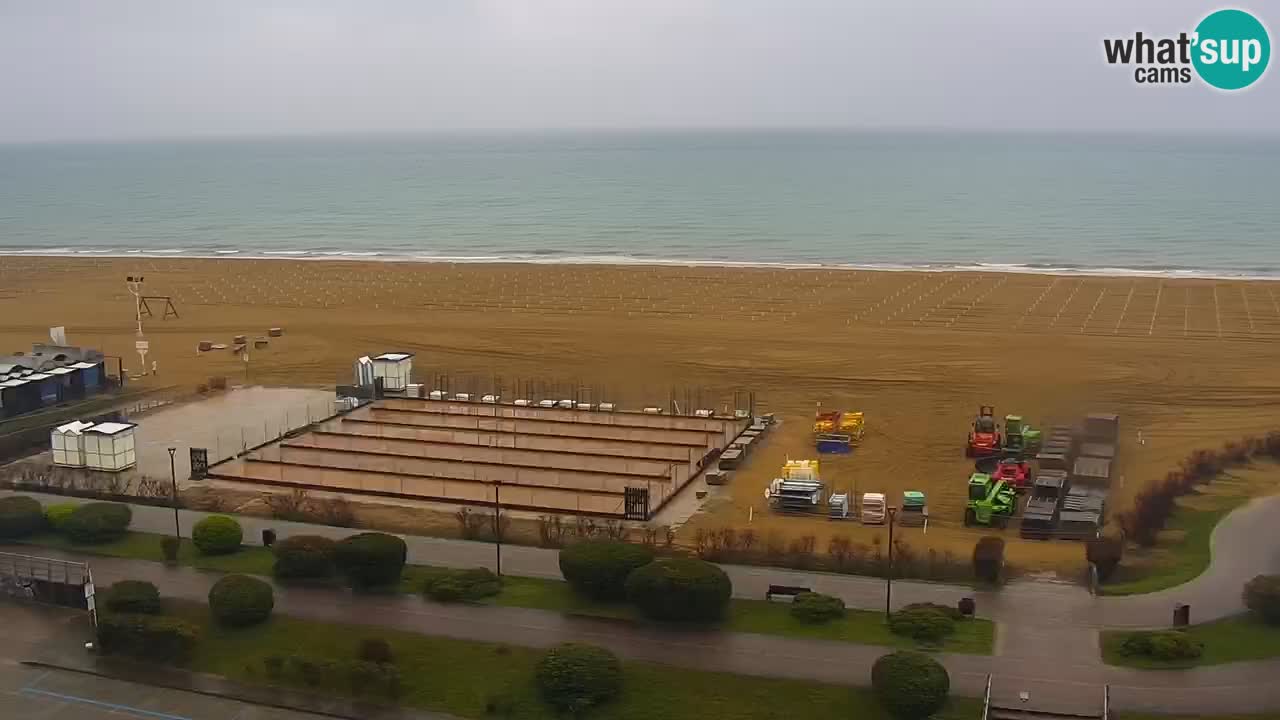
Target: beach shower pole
<point x="497" y="525"/>
<point x="173" y="478"/>
<point x="888" y="574"/>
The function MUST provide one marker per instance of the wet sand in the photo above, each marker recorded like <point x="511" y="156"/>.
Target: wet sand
<point x="1192" y="363"/>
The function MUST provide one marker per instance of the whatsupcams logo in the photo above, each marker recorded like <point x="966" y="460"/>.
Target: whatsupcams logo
<point x="1229" y="50"/>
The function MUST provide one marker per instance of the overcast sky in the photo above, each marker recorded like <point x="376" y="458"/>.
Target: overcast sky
<point x="116" y="69"/>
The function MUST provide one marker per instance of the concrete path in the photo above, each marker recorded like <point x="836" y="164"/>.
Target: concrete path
<point x="1048" y="643"/>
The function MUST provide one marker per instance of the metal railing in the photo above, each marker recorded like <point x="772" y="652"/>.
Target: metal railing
<point x="986" y="700"/>
<point x="58" y="582"/>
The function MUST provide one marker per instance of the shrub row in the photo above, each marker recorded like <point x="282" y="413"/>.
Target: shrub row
<point x="147" y="637"/>
<point x="669" y="589"/>
<point x="132" y="596"/>
<point x="443" y="585"/>
<point x="1161" y="645"/>
<point x="366" y="559"/>
<point x="97" y="523"/>
<point x="1154" y="504"/>
<point x="359" y="677"/>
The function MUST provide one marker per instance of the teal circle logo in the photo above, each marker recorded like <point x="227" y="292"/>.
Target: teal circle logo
<point x="1231" y="49"/>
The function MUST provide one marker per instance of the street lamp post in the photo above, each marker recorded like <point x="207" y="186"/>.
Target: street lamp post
<point x="173" y="478"/>
<point x="888" y="575"/>
<point x="497" y="525"/>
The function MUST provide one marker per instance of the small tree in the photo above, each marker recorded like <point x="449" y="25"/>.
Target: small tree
<point x="1262" y="596"/>
<point x="1105" y="553"/>
<point x="598" y="569"/>
<point x="574" y="677"/>
<point x="988" y="558"/>
<point x="910" y="685"/>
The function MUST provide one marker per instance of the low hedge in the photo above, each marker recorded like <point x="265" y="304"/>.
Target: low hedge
<point x="1162" y="645"/>
<point x="240" y="600"/>
<point x="55" y="515"/>
<point x="910" y="685"/>
<point x="132" y="596"/>
<point x="598" y="569"/>
<point x="681" y="590"/>
<point x="923" y="624"/>
<point x="360" y="677"/>
<point x="573" y="677"/>
<point x="217" y="535"/>
<point x="20" y="516"/>
<point x="304" y="557"/>
<point x="147" y="637"/>
<point x="98" y="522"/>
<point x="371" y="559"/>
<point x="815" y="608"/>
<point x="444" y="585"/>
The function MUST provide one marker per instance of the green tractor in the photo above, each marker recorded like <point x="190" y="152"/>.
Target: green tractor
<point x="991" y="502"/>
<point x="1019" y="437"/>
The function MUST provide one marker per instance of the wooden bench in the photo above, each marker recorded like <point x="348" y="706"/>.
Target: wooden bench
<point x="790" y="591"/>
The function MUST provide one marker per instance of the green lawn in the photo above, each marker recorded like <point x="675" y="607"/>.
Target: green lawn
<point x="1233" y="639"/>
<point x="460" y="677"/>
<point x="975" y="637"/>
<point x="1179" y="562"/>
<point x="753" y="616"/>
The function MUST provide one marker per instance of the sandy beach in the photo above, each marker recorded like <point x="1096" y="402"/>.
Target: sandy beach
<point x="1190" y="363"/>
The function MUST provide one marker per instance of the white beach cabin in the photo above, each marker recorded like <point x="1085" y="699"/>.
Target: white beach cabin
<point x="394" y="368"/>
<point x="109" y="446"/>
<point x="67" y="442"/>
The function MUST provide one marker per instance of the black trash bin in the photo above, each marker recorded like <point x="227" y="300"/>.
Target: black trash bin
<point x="1181" y="615"/>
<point x="268" y="538"/>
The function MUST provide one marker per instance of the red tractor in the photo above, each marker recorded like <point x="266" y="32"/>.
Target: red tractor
<point x="984" y="438"/>
<point x="1014" y="471"/>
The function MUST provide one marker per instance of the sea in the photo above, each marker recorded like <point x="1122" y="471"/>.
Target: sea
<point x="1068" y="203"/>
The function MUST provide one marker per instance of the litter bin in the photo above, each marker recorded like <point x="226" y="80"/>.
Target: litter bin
<point x="268" y="538"/>
<point x="1181" y="615"/>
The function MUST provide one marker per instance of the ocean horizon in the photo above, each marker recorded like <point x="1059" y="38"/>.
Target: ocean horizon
<point x="1166" y="205"/>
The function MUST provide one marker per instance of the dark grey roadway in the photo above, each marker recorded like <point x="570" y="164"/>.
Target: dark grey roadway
<point x="1048" y="641"/>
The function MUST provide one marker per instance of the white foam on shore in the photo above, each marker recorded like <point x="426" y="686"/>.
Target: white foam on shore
<point x="632" y="261"/>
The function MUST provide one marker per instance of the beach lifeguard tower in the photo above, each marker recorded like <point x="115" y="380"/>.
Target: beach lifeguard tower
<point x="67" y="443"/>
<point x="394" y="368"/>
<point x="109" y="446"/>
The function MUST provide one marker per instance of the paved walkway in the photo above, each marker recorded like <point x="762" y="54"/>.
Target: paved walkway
<point x="1048" y="631"/>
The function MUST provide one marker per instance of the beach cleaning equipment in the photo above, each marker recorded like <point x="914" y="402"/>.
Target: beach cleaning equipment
<point x="837" y="431"/>
<point x="1040" y="516"/>
<point x="990" y="501"/>
<point x="1015" y="471"/>
<point x="915" y="513"/>
<point x="838" y="506"/>
<point x="797" y="488"/>
<point x="984" y="437"/>
<point x="831" y="443"/>
<point x="873" y="508"/>
<point x="1019" y="437"/>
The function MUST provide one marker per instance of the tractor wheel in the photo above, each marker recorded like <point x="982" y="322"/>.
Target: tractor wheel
<point x="970" y="518"/>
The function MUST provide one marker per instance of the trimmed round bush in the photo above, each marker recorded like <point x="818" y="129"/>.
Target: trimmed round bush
<point x="133" y="596"/>
<point x="926" y="625"/>
<point x="55" y="516"/>
<point x="20" y="516"/>
<point x="573" y="677"/>
<point x="815" y="608"/>
<point x="680" y="589"/>
<point x="240" y="600"/>
<point x="217" y="535"/>
<point x="1262" y="595"/>
<point x="304" y="557"/>
<point x="598" y="569"/>
<point x="371" y="559"/>
<point x="910" y="685"/>
<point x="98" y="522"/>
